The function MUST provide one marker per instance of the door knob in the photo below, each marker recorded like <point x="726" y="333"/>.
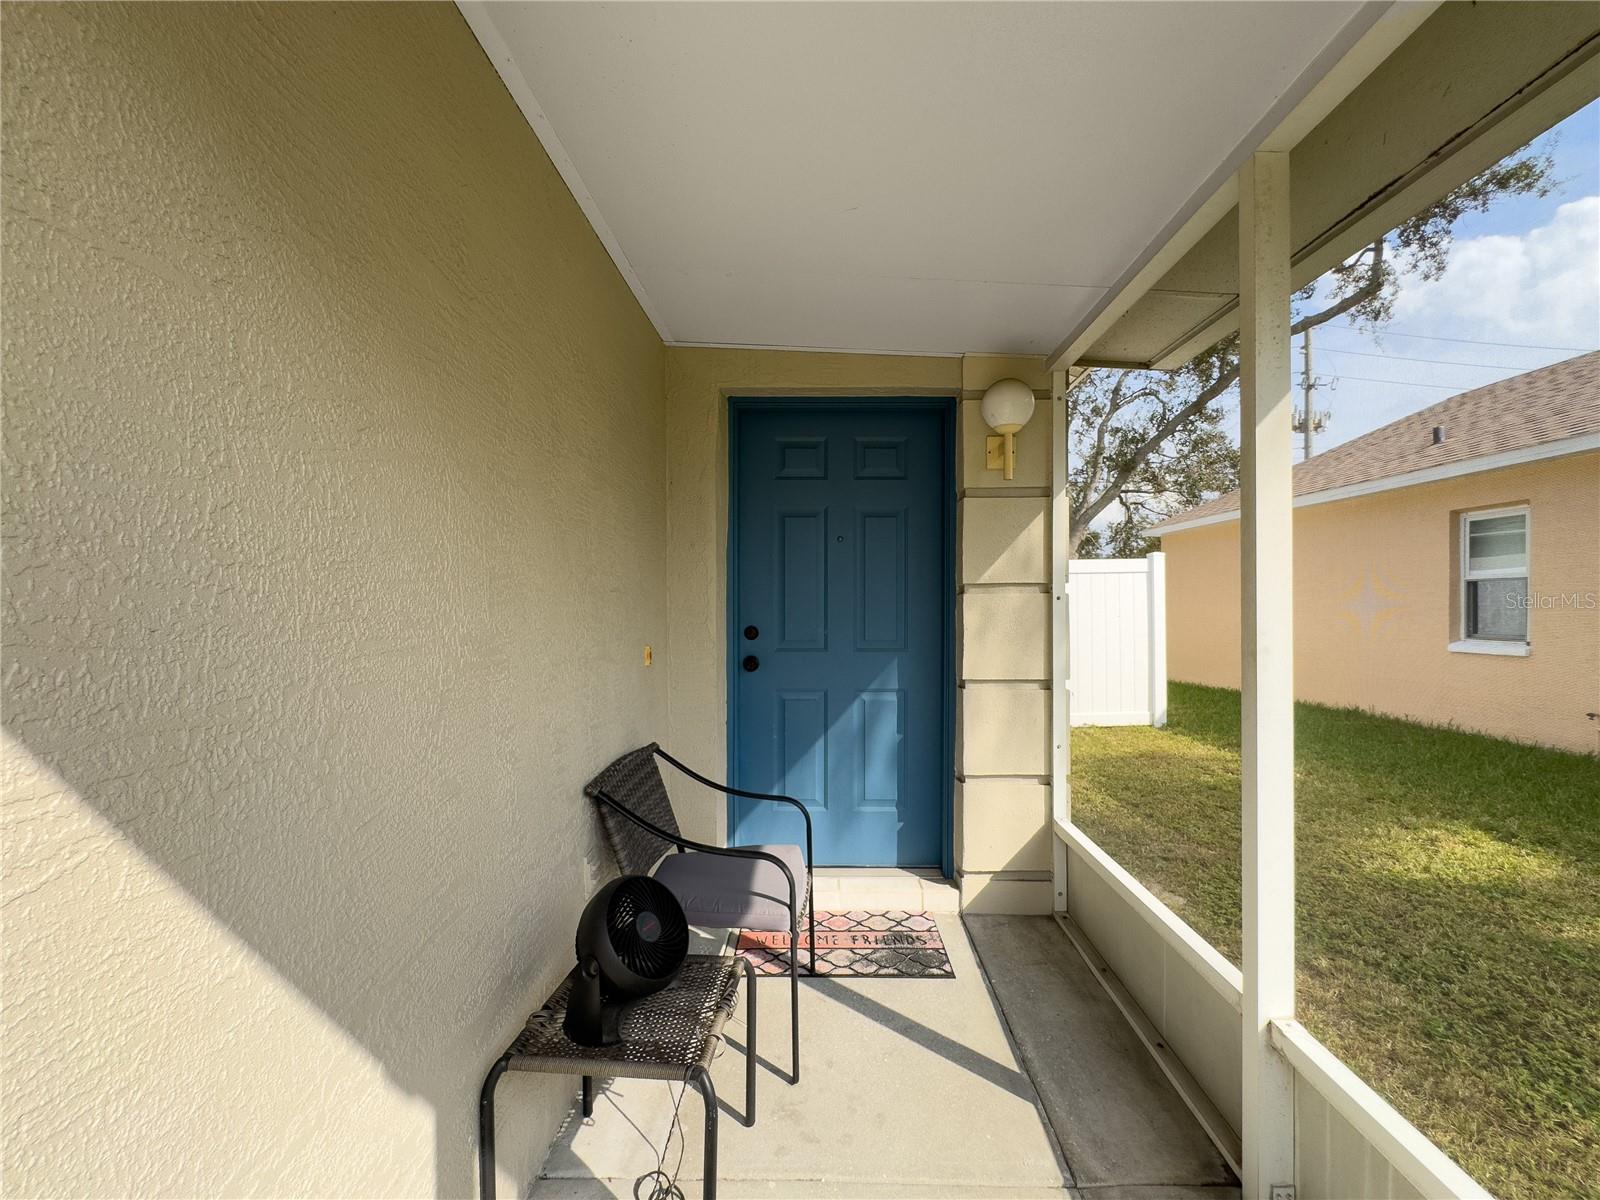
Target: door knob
<point x="751" y="633"/>
<point x="751" y="662"/>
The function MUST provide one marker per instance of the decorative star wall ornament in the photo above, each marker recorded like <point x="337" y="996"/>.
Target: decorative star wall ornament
<point x="1374" y="601"/>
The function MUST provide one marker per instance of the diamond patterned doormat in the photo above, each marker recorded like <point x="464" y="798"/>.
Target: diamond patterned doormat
<point x="892" y="944"/>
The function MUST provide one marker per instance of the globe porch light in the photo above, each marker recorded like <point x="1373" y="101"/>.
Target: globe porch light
<point x="1007" y="406"/>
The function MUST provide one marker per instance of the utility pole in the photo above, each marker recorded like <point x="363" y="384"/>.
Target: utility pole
<point x="1308" y="385"/>
<point x="1307" y="420"/>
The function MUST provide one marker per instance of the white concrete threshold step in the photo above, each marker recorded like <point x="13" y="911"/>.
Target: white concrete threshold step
<point x="881" y="889"/>
<point x="812" y="1189"/>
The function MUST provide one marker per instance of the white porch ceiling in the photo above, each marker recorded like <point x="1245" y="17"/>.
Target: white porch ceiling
<point x="902" y="177"/>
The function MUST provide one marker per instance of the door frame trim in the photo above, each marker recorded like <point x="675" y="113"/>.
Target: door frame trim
<point x="946" y="406"/>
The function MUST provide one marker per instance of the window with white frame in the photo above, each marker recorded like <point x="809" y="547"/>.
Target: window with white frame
<point x="1494" y="575"/>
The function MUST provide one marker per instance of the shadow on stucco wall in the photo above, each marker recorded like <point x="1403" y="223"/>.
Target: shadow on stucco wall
<point x="316" y="593"/>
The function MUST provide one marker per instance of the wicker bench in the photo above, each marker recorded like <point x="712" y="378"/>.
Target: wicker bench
<point x="672" y="1034"/>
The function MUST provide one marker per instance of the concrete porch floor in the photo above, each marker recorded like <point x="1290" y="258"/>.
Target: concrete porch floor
<point x="1016" y="1079"/>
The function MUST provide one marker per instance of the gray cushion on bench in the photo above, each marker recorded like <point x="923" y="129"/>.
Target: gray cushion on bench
<point x="735" y="893"/>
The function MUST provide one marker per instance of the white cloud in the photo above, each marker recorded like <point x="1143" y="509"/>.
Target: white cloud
<point x="1541" y="287"/>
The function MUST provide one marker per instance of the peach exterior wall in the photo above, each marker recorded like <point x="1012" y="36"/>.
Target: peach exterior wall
<point x="335" y="524"/>
<point x="1375" y="610"/>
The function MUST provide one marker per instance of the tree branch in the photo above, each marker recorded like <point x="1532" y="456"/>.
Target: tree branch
<point x="1082" y="518"/>
<point x="1102" y="497"/>
<point x="1355" y="299"/>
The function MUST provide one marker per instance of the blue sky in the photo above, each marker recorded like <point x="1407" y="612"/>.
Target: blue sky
<point x="1575" y="143"/>
<point x="1522" y="291"/>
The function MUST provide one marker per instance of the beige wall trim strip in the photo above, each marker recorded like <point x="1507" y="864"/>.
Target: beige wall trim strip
<point x="812" y="349"/>
<point x="965" y="776"/>
<point x="1467" y="466"/>
<point x="1060" y="635"/>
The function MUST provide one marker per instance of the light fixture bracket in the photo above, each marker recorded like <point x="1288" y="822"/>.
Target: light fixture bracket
<point x="994" y="452"/>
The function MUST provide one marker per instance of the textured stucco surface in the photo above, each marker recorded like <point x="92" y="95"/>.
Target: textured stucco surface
<point x="1375" y="609"/>
<point x="335" y="525"/>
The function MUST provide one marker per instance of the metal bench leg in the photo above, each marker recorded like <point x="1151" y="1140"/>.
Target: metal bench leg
<point x="794" y="994"/>
<point x="811" y="910"/>
<point x="588" y="1095"/>
<point x="750" y="1044"/>
<point x="701" y="1078"/>
<point x="486" y="1128"/>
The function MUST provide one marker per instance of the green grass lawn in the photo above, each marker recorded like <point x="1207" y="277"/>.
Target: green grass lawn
<point x="1448" y="920"/>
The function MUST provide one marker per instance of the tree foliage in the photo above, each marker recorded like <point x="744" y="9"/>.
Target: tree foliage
<point x="1153" y="443"/>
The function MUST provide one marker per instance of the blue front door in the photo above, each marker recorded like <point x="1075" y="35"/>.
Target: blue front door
<point x="838" y="626"/>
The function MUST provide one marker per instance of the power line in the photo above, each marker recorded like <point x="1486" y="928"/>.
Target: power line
<point x="1433" y="337"/>
<point x="1442" y="362"/>
<point x="1444" y="387"/>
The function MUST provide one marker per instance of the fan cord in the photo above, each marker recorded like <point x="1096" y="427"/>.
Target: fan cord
<point x="663" y="1186"/>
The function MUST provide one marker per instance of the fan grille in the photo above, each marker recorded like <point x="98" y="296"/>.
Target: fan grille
<point x="647" y="928"/>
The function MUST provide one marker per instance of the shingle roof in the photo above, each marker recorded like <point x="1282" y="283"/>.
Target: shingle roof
<point x="1552" y="404"/>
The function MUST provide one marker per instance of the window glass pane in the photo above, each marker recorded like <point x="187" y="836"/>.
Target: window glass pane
<point x="1497" y="609"/>
<point x="1497" y="543"/>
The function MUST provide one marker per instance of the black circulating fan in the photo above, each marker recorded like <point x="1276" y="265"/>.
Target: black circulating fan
<point x="632" y="940"/>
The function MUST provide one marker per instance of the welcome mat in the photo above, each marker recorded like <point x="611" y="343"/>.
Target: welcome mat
<point x="892" y="944"/>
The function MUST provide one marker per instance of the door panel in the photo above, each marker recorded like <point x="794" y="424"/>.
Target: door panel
<point x="803" y="579"/>
<point x="840" y="573"/>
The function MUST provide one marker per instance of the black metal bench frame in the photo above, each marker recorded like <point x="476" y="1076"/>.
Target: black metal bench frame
<point x="601" y="793"/>
<point x="628" y="1061"/>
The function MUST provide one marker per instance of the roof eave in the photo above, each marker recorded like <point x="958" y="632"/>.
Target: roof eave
<point x="1348" y="195"/>
<point x="1388" y="483"/>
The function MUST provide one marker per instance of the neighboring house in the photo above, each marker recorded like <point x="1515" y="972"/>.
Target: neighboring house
<point x="1447" y="566"/>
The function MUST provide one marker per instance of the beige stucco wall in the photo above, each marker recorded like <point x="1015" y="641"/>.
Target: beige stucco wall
<point x="1375" y="605"/>
<point x="335" y="525"/>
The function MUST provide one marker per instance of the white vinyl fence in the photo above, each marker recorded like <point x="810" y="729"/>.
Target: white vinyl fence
<point x="1117" y="622"/>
